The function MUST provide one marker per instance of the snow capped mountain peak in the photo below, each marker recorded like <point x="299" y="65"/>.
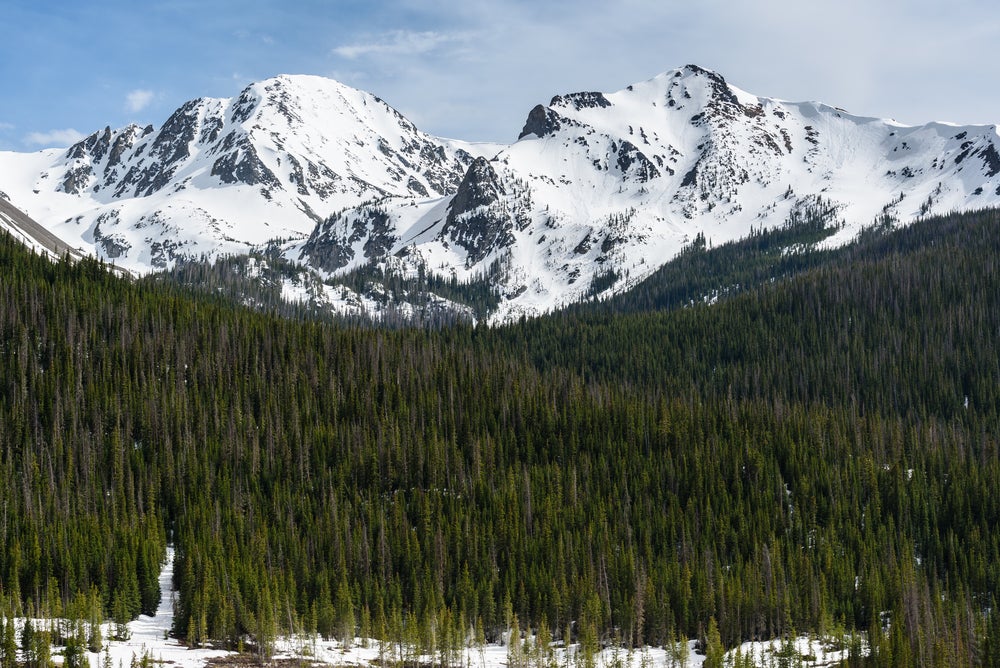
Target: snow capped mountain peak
<point x="223" y="175"/>
<point x="599" y="189"/>
<point x="603" y="187"/>
<point x="95" y="158"/>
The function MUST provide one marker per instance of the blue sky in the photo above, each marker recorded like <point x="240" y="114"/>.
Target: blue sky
<point x="473" y="69"/>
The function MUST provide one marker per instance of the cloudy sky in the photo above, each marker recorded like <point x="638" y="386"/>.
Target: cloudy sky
<point x="472" y="69"/>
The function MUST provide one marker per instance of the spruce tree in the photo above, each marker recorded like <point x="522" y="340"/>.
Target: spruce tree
<point x="714" y="650"/>
<point x="8" y="648"/>
<point x="41" y="651"/>
<point x="344" y="613"/>
<point x="28" y="642"/>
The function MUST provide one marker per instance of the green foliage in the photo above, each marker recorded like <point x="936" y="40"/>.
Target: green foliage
<point x="8" y="644"/>
<point x="822" y="447"/>
<point x="516" y="656"/>
<point x="590" y="622"/>
<point x="714" y="650"/>
<point x="27" y="639"/>
<point x="543" y="654"/>
<point x="787" y="655"/>
<point x="75" y="653"/>
<point x="678" y="651"/>
<point x="40" y="653"/>
<point x="344" y="610"/>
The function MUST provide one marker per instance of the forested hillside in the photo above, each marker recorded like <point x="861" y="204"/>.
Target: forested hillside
<point x="815" y="453"/>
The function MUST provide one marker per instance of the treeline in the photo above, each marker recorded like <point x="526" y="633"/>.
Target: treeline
<point x="400" y="300"/>
<point x="815" y="454"/>
<point x="706" y="273"/>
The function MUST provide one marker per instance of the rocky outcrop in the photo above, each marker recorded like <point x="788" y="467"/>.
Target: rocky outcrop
<point x="476" y="219"/>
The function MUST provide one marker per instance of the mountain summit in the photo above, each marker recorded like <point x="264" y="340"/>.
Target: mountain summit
<point x="597" y="192"/>
<point x="224" y="175"/>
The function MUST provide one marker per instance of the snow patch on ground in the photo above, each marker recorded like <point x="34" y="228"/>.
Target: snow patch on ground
<point x="151" y="634"/>
<point x="150" y="637"/>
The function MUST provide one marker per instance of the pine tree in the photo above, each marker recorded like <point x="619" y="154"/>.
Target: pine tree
<point x="95" y="641"/>
<point x="326" y="616"/>
<point x="366" y="632"/>
<point x="41" y="651"/>
<point x="678" y="651"/>
<point x="75" y="654"/>
<point x="991" y="642"/>
<point x="544" y="657"/>
<point x="8" y="648"/>
<point x="480" y="640"/>
<point x="28" y="642"/>
<point x="714" y="650"/>
<point x="266" y="631"/>
<point x="344" y="612"/>
<point x="589" y="643"/>
<point x="779" y="459"/>
<point x="515" y="648"/>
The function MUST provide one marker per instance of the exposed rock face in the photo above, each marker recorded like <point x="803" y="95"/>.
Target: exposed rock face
<point x="586" y="100"/>
<point x="380" y="234"/>
<point x="241" y="164"/>
<point x="480" y="187"/>
<point x="339" y="239"/>
<point x="541" y="122"/>
<point x="328" y="248"/>
<point x="475" y="222"/>
<point x="633" y="163"/>
<point x="165" y="154"/>
<point x="93" y="162"/>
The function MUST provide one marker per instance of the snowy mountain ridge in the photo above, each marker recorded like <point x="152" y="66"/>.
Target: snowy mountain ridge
<point x="598" y="191"/>
<point x="224" y="175"/>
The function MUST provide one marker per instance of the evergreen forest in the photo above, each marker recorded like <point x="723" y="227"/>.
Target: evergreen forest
<point x="816" y="451"/>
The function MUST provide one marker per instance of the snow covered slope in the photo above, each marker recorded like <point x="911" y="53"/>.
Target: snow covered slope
<point x="16" y="223"/>
<point x="598" y="191"/>
<point x="601" y="189"/>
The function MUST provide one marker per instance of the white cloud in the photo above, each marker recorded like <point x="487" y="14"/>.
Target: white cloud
<point x="54" y="138"/>
<point x="397" y="43"/>
<point x="138" y="99"/>
<point x="488" y="62"/>
<point x="6" y="126"/>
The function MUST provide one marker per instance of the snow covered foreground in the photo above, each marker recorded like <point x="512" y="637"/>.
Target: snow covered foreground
<point x="149" y="638"/>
